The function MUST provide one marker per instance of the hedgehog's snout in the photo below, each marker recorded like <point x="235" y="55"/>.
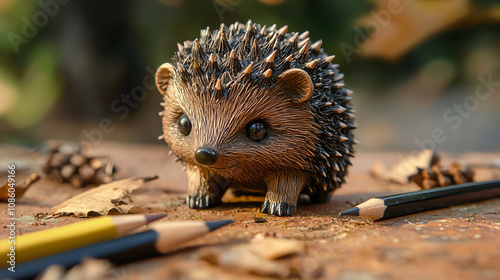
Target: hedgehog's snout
<point x="206" y="156"/>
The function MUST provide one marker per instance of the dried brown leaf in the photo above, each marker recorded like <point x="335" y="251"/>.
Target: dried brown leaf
<point x="102" y="199"/>
<point x="20" y="188"/>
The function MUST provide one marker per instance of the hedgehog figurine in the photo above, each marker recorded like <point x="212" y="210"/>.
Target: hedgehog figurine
<point x="254" y="108"/>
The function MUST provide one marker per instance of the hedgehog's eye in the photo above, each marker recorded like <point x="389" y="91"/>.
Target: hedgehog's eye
<point x="184" y="125"/>
<point x="256" y="130"/>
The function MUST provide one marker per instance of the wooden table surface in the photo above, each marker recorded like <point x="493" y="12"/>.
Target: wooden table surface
<point x="462" y="242"/>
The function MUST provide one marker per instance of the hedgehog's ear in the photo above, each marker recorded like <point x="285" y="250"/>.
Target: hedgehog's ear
<point x="297" y="84"/>
<point x="164" y="77"/>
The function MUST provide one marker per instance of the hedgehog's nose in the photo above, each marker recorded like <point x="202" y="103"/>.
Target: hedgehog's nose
<point x="206" y="156"/>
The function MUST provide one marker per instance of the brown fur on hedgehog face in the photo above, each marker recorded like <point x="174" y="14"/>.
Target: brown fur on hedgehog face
<point x="219" y="123"/>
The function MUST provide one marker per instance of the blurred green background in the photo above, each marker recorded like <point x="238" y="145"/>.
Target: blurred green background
<point x="425" y="72"/>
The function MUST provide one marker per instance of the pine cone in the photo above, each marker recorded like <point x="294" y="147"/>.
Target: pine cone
<point x="438" y="177"/>
<point x="69" y="164"/>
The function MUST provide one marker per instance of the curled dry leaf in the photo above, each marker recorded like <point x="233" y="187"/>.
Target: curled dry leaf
<point x="20" y="188"/>
<point x="400" y="172"/>
<point x="102" y="199"/>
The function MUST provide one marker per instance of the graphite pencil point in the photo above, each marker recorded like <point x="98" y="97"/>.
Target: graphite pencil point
<point x="215" y="225"/>
<point x="154" y="217"/>
<point x="351" y="212"/>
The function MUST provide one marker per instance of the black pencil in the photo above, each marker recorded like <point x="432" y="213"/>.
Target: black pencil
<point x="160" y="239"/>
<point x="412" y="202"/>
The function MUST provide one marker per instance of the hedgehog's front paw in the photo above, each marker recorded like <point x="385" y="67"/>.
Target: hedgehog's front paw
<point x="201" y="201"/>
<point x="277" y="208"/>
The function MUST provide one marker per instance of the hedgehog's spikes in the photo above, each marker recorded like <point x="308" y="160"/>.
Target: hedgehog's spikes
<point x="349" y="92"/>
<point x="339" y="109"/>
<point x="340" y="85"/>
<point x="336" y="167"/>
<point x="248" y="70"/>
<point x="255" y="53"/>
<point x="221" y="45"/>
<point x="272" y="28"/>
<point x="225" y="78"/>
<point x="206" y="35"/>
<point x="277" y="49"/>
<point x="329" y="59"/>
<point x="234" y="63"/>
<point x="267" y="74"/>
<point x="246" y="42"/>
<point x="218" y="92"/>
<point x="343" y="138"/>
<point x="322" y="171"/>
<point x="326" y="61"/>
<point x="291" y="45"/>
<point x="302" y="43"/>
<point x="316" y="47"/>
<point x="338" y="77"/>
<point x="197" y="71"/>
<point x="268" y="47"/>
<point x="266" y="78"/>
<point x="282" y="31"/>
<point x="180" y="47"/>
<point x="183" y="73"/>
<point x="342" y="125"/>
<point x="302" y="55"/>
<point x="309" y="67"/>
<point x="304" y="35"/>
<point x="198" y="51"/>
<point x="269" y="63"/>
<point x="270" y="58"/>
<point x="284" y="64"/>
<point x="263" y="31"/>
<point x="212" y="64"/>
<point x="247" y="73"/>
<point x="233" y="28"/>
<point x="249" y="27"/>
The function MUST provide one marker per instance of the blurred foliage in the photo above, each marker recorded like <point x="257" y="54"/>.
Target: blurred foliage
<point x="88" y="54"/>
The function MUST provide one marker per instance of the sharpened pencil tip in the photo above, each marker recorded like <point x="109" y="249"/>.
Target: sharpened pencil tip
<point x="215" y="225"/>
<point x="154" y="217"/>
<point x="351" y="212"/>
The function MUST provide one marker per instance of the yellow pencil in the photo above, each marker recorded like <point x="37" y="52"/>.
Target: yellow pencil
<point x="43" y="243"/>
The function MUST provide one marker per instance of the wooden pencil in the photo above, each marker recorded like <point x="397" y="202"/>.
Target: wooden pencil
<point x="52" y="241"/>
<point x="160" y="239"/>
<point x="412" y="202"/>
